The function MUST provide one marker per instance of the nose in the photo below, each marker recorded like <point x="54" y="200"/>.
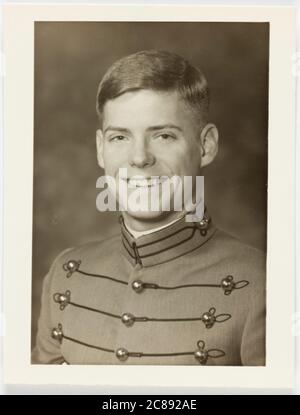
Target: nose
<point x="141" y="157"/>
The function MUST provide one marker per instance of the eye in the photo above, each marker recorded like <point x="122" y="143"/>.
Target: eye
<point x="117" y="138"/>
<point x="166" y="137"/>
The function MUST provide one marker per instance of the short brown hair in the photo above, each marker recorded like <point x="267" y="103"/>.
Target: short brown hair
<point x="155" y="70"/>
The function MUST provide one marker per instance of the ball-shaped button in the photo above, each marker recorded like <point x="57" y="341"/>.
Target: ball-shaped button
<point x="57" y="334"/>
<point x="137" y="286"/>
<point x="128" y="319"/>
<point x="62" y="298"/>
<point x="201" y="356"/>
<point x="208" y="319"/>
<point x="72" y="265"/>
<point x="122" y="354"/>
<point x="228" y="284"/>
<point x="203" y="223"/>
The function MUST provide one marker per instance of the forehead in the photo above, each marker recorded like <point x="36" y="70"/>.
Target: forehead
<point x="145" y="107"/>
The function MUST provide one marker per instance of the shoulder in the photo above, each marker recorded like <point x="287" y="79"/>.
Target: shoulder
<point x="231" y="246"/>
<point x="237" y="258"/>
<point x="92" y="254"/>
<point x="89" y="250"/>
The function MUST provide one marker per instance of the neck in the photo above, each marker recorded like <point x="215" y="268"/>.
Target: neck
<point x="144" y="224"/>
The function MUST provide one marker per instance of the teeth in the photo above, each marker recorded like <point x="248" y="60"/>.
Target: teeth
<point x="144" y="182"/>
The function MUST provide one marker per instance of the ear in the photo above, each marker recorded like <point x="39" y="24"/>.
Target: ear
<point x="99" y="145"/>
<point x="209" y="144"/>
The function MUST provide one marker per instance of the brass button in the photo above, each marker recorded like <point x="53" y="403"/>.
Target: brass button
<point x="62" y="298"/>
<point x="201" y="356"/>
<point x="137" y="286"/>
<point x="227" y="284"/>
<point x="122" y="354"/>
<point x="208" y="319"/>
<point x="203" y="223"/>
<point x="203" y="226"/>
<point x="128" y="319"/>
<point x="57" y="333"/>
<point x="71" y="266"/>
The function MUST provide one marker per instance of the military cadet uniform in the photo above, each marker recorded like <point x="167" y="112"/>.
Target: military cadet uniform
<point x="187" y="294"/>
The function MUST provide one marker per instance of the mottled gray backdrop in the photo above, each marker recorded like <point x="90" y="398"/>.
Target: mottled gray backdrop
<point x="70" y="59"/>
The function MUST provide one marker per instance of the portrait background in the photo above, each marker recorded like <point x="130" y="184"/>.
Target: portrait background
<point x="70" y="60"/>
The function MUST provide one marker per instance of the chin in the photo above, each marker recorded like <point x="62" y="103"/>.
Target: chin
<point x="147" y="215"/>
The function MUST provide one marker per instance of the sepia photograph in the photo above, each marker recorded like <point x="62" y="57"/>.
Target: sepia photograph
<point x="155" y="211"/>
<point x="149" y="106"/>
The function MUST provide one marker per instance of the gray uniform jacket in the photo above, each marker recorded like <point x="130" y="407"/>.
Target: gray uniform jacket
<point x="188" y="294"/>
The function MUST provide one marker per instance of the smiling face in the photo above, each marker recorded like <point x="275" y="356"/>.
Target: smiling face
<point x="151" y="133"/>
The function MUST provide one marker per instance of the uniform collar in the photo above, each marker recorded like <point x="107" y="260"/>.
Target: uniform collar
<point x="165" y="244"/>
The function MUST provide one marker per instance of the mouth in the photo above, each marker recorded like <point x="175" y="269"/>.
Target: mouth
<point x="145" y="182"/>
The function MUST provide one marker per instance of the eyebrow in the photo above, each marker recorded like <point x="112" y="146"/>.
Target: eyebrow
<point x="152" y="128"/>
<point x="161" y="127"/>
<point x="111" y="128"/>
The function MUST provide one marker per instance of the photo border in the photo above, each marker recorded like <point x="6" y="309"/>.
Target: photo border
<point x="18" y="190"/>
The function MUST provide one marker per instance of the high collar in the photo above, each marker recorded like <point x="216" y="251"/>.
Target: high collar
<point x="166" y="244"/>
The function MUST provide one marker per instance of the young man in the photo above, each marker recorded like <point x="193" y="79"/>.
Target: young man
<point x="166" y="290"/>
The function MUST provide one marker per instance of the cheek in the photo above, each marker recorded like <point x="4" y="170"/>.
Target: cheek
<point x="114" y="159"/>
<point x="192" y="158"/>
<point x="184" y="161"/>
